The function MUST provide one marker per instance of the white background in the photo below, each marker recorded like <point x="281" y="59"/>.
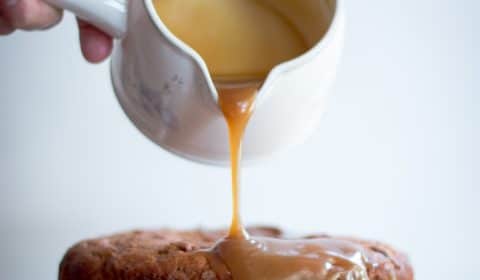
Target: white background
<point x="396" y="158"/>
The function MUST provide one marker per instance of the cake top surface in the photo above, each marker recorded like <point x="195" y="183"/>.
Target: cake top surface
<point x="172" y="254"/>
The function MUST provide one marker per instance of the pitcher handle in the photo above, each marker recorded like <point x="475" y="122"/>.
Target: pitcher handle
<point x="108" y="15"/>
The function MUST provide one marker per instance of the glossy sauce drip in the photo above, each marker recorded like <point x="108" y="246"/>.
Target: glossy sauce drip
<point x="254" y="258"/>
<point x="237" y="104"/>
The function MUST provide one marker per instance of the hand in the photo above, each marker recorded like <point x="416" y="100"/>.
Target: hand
<point x="38" y="15"/>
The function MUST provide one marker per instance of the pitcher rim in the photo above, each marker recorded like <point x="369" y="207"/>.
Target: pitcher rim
<point x="273" y="74"/>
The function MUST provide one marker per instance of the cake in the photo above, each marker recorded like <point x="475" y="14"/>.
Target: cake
<point x="172" y="255"/>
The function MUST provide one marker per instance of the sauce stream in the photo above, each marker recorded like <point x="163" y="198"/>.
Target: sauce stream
<point x="254" y="258"/>
<point x="237" y="104"/>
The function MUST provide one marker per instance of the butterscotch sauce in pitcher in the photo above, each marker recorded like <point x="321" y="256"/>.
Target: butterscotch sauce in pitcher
<point x="236" y="38"/>
<point x="241" y="41"/>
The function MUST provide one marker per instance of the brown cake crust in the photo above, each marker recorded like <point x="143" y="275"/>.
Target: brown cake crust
<point x="173" y="255"/>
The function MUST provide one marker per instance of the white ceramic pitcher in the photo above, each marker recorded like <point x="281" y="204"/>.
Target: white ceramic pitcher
<point x="166" y="90"/>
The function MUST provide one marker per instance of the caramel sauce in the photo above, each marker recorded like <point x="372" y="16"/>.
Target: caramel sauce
<point x="242" y="40"/>
<point x="237" y="38"/>
<point x="237" y="104"/>
<point x="254" y="258"/>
